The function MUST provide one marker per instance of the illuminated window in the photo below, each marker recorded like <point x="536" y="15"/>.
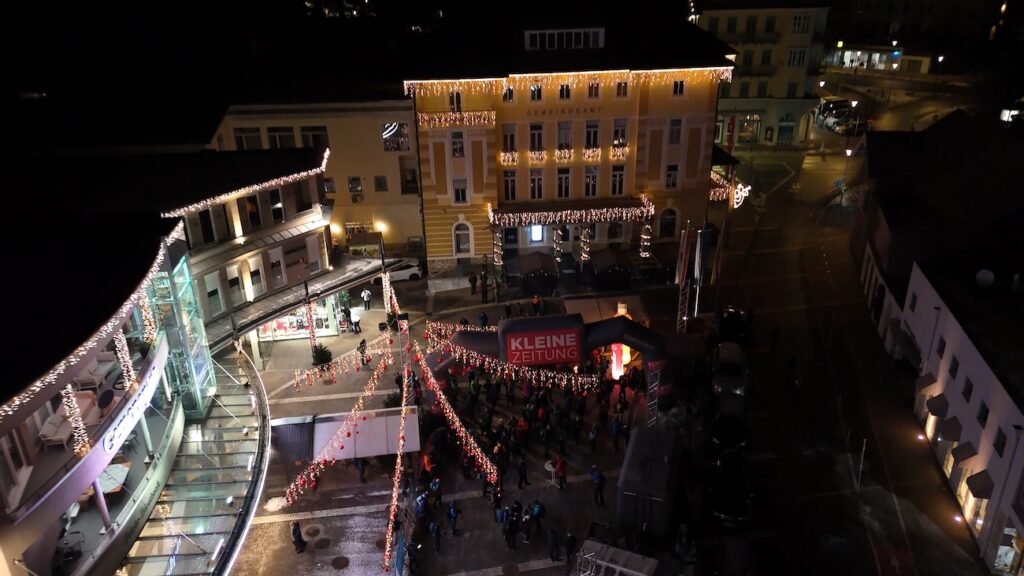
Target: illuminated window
<point x="536" y="234"/>
<point x="535" y="92"/>
<point x="619" y="132"/>
<point x="565" y="135"/>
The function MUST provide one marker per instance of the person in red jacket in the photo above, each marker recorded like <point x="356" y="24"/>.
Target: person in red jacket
<point x="560" y="466"/>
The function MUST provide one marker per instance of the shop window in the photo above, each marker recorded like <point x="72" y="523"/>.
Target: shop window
<point x="536" y="234"/>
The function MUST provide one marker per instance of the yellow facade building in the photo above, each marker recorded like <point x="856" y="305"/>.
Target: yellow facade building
<point x="566" y="132"/>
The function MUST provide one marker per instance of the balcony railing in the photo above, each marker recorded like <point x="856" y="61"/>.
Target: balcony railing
<point x="465" y="118"/>
<point x="509" y="159"/>
<point x="591" y="154"/>
<point x="538" y="156"/>
<point x="564" y="155"/>
<point x="619" y="152"/>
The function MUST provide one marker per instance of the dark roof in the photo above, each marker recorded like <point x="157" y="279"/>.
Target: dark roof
<point x="92" y="229"/>
<point x="706" y="5"/>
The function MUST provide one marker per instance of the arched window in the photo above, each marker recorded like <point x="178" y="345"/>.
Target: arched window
<point x="667" y="224"/>
<point x="462" y="239"/>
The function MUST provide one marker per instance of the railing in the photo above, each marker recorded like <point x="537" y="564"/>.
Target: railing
<point x="463" y="118"/>
<point x="538" y="156"/>
<point x="564" y="155"/>
<point x="619" y="152"/>
<point x="509" y="159"/>
<point x="591" y="154"/>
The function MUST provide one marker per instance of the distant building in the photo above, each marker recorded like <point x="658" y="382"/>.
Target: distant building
<point x="779" y="48"/>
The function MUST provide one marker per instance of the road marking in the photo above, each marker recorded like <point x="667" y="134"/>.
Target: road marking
<point x="784" y="180"/>
<point x="339" y="396"/>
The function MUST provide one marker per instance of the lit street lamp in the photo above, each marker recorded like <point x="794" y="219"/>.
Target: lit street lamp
<point x="941" y="58"/>
<point x="846" y="170"/>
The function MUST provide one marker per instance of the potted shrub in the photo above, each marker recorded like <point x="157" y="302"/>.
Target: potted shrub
<point x="321" y="355"/>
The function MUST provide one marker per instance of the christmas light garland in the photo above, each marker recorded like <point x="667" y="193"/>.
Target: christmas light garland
<point x="538" y="376"/>
<point x="591" y="154"/>
<point x="585" y="216"/>
<point x="246" y="190"/>
<point x="124" y="358"/>
<point x="351" y="361"/>
<point x="74" y="418"/>
<point x="446" y="119"/>
<point x="497" y="249"/>
<point x="585" y="244"/>
<point x="645" y="240"/>
<point x="558" y="244"/>
<point x="508" y="159"/>
<point x="148" y="321"/>
<point x="310" y="327"/>
<point x="538" y="156"/>
<point x="619" y="152"/>
<point x="564" y="155"/>
<point x="396" y="479"/>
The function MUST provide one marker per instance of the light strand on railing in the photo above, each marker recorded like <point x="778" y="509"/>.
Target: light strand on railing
<point x="547" y="218"/>
<point x="148" y="321"/>
<point x="310" y="326"/>
<point x="74" y="418"/>
<point x="446" y="119"/>
<point x="124" y="358"/>
<point x="585" y="244"/>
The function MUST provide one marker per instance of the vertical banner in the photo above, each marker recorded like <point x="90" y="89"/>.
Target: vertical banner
<point x="683" y="259"/>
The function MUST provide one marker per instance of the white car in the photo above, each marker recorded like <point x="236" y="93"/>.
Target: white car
<point x="730" y="369"/>
<point x="409" y="269"/>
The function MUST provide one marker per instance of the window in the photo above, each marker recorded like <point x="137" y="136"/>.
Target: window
<point x="619" y="132"/>
<point x="564" y="92"/>
<point x="314" y="137"/>
<point x="459" y="191"/>
<point x="206" y="228"/>
<point x="511" y="236"/>
<point x="751" y="26"/>
<point x="458" y="145"/>
<point x="954" y="367"/>
<point x="791" y="90"/>
<point x="618" y="180"/>
<point x="507" y="94"/>
<point x="461" y="239"/>
<point x="592" y="134"/>
<point x="248" y="139"/>
<point x="968" y="390"/>
<point x="744" y="89"/>
<point x="565" y="135"/>
<point x="593" y="90"/>
<point x="678" y="87"/>
<point x="251" y="206"/>
<point x="983" y="415"/>
<point x="801" y="23"/>
<point x="303" y="196"/>
<point x="536" y="234"/>
<point x="762" y="89"/>
<point x="509" y="180"/>
<point x="675" y="130"/>
<point x="508" y="137"/>
<point x="276" y="206"/>
<point x="535" y="92"/>
<point x="621" y="89"/>
<point x="380" y="183"/>
<point x="769" y="24"/>
<point x="941" y="349"/>
<point x="409" y="183"/>
<point x="590" y="181"/>
<point x="913" y="301"/>
<point x="797" y="57"/>
<point x="563" y="182"/>
<point x="536" y="137"/>
<point x="280" y="137"/>
<point x="235" y="286"/>
<point x="614" y="231"/>
<point x="395" y="136"/>
<point x="672" y="176"/>
<point x="536" y="184"/>
<point x="455" y="101"/>
<point x="256" y="275"/>
<point x="730" y="25"/>
<point x="667" y="224"/>
<point x="713" y="25"/>
<point x="766" y="58"/>
<point x="533" y="41"/>
<point x="1000" y="442"/>
<point x="748" y="58"/>
<point x="212" y="282"/>
<point x="355" y="185"/>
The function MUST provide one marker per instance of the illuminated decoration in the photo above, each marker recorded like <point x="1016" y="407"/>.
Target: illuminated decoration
<point x="74" y="417"/>
<point x="498" y="248"/>
<point x="124" y="358"/>
<point x="558" y="244"/>
<point x="621" y="354"/>
<point x="585" y="244"/>
<point x="310" y="326"/>
<point x="572" y="79"/>
<point x="462" y="436"/>
<point x="564" y="155"/>
<point x="122" y="571"/>
<point x="390" y="128"/>
<point x="440" y="331"/>
<point x="100" y="336"/>
<point x="741" y="193"/>
<point x="693" y="16"/>
<point x="348" y="363"/>
<point x="132" y="410"/>
<point x="396" y="478"/>
<point x="247" y="190"/>
<point x="509" y="158"/>
<point x="588" y="215"/>
<point x="719" y="187"/>
<point x="619" y="152"/>
<point x="645" y="240"/>
<point x="591" y="154"/>
<point x="538" y="156"/>
<point x="446" y="119"/>
<point x="148" y="321"/>
<point x="307" y="479"/>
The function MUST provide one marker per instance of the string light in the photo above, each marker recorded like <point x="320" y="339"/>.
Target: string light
<point x="538" y="156"/>
<point x="310" y="327"/>
<point x="462" y="435"/>
<point x="591" y="154"/>
<point x="351" y="361"/>
<point x="508" y="159"/>
<point x="148" y="321"/>
<point x="124" y="358"/>
<point x="564" y="155"/>
<point x="498" y="247"/>
<point x="446" y="119"/>
<point x="396" y="479"/>
<point x="74" y="418"/>
<point x="585" y="244"/>
<point x="100" y="336"/>
<point x="558" y="244"/>
<point x="619" y="152"/>
<point x="245" y="191"/>
<point x="547" y="218"/>
<point x="645" y="240"/>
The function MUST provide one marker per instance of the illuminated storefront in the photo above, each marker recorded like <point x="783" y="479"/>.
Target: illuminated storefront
<point x="292" y="326"/>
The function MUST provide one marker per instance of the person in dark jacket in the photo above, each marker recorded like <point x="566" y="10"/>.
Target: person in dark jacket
<point x="570" y="550"/>
<point x="297" y="539"/>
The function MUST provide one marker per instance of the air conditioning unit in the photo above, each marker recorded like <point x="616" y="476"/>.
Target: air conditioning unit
<point x="357" y="198"/>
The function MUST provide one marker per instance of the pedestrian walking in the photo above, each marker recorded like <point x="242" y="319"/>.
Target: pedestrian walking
<point x="775" y="336"/>
<point x="361" y="467"/>
<point x="560" y="467"/>
<point x="483" y="319"/>
<point x="356" y="328"/>
<point x="472" y="284"/>
<point x="435" y="531"/>
<point x="453" y="515"/>
<point x="496" y="498"/>
<point x="297" y="539"/>
<point x="553" y="545"/>
<point x="570" y="550"/>
<point x="435" y="489"/>
<point x="599" y="481"/>
<point x="366" y="294"/>
<point x="537" y="511"/>
<point x="521" y="468"/>
<point x="592" y="438"/>
<point x="508" y="310"/>
<point x="519" y="309"/>
<point x="361" y="348"/>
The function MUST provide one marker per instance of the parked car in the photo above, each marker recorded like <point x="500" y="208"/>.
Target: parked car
<point x="732" y="325"/>
<point x="409" y="269"/>
<point x="730" y="369"/>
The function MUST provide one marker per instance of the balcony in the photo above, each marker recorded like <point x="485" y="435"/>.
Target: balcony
<point x="591" y="154"/>
<point x="619" y="152"/>
<point x="468" y="118"/>
<point x="538" y="156"/>
<point x="755" y="71"/>
<point x="564" y="155"/>
<point x="508" y="159"/>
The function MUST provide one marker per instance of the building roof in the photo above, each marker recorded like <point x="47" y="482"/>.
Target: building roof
<point x="93" y="231"/>
<point x="746" y="5"/>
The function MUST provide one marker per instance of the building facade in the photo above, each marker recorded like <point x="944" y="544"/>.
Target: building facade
<point x="775" y="83"/>
<point x="561" y="141"/>
<point x="372" y="175"/>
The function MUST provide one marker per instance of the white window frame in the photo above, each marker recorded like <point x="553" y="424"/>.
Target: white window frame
<point x="618" y="179"/>
<point x="536" y="92"/>
<point x="564" y="188"/>
<point x="455" y="243"/>
<point x="509" y="185"/>
<point x="678" y="87"/>
<point x="537" y="184"/>
<point x="460" y="191"/>
<point x="672" y="176"/>
<point x="590" y="181"/>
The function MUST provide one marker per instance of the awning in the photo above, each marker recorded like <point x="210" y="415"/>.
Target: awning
<point x="908" y="346"/>
<point x="963" y="452"/>
<point x="924" y="381"/>
<point x="720" y="157"/>
<point x="981" y="485"/>
<point x="950" y="429"/>
<point x="938" y="405"/>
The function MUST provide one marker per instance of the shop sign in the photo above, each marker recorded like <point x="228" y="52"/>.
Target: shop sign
<point x="138" y="403"/>
<point x="543" y="347"/>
